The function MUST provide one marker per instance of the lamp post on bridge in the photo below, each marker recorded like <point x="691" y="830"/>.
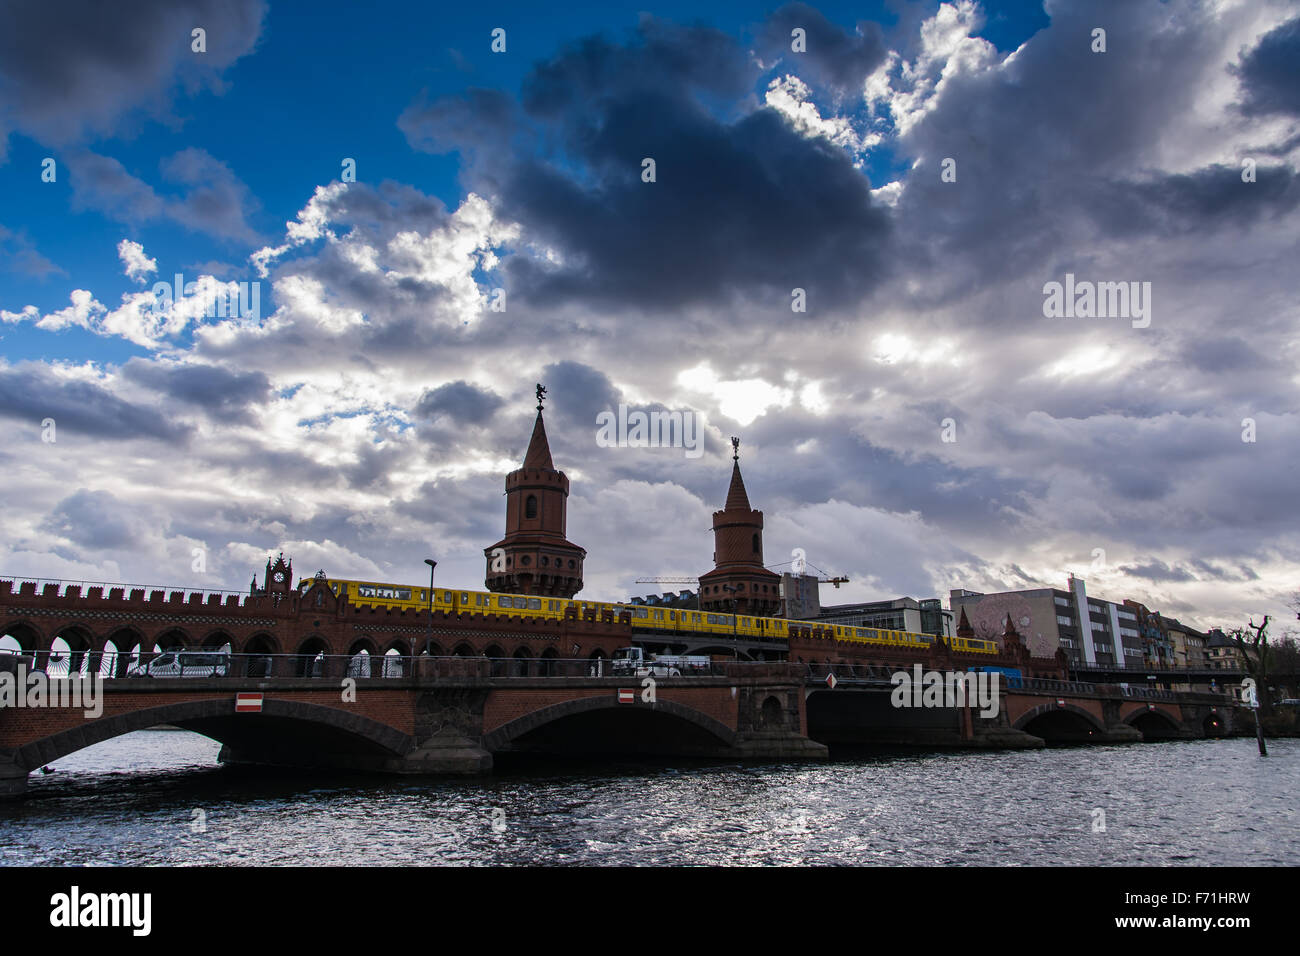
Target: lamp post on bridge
<point x="428" y="638"/>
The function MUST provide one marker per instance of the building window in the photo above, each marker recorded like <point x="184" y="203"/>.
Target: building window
<point x="530" y="507"/>
<point x="757" y="549"/>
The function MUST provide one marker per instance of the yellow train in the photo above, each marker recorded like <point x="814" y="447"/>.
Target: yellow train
<point x="641" y="616"/>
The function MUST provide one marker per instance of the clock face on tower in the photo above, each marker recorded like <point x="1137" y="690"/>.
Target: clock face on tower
<point x="278" y="577"/>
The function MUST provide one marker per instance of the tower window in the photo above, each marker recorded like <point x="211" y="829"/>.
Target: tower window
<point x="530" y="508"/>
<point x="757" y="549"/>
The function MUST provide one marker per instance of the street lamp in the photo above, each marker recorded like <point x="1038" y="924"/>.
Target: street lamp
<point x="428" y="640"/>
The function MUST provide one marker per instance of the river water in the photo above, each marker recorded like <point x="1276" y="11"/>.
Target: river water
<point x="159" y="797"/>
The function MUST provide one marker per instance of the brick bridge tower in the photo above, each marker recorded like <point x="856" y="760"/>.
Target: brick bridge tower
<point x="738" y="575"/>
<point x="535" y="557"/>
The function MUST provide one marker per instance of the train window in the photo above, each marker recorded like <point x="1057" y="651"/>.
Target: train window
<point x="672" y="615"/>
<point x="659" y="615"/>
<point x="505" y="602"/>
<point x="534" y="604"/>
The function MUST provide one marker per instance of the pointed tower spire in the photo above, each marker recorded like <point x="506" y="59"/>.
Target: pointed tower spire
<point x="963" y="626"/>
<point x="535" y="556"/>
<point x="738" y="581"/>
<point x="539" y="450"/>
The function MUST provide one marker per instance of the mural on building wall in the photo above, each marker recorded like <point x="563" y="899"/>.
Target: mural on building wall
<point x="989" y="615"/>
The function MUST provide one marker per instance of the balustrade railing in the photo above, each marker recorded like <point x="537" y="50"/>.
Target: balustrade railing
<point x="198" y="663"/>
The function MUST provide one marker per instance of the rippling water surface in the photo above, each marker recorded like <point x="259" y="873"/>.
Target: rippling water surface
<point x="159" y="797"/>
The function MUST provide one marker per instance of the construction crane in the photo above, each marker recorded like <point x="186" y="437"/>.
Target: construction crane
<point x="836" y="580"/>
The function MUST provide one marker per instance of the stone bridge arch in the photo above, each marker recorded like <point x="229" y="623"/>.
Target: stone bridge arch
<point x="1060" y="724"/>
<point x="295" y="722"/>
<point x="590" y="729"/>
<point x="1156" y="723"/>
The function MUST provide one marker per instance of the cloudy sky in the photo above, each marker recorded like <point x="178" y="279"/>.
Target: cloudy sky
<point x="921" y="426"/>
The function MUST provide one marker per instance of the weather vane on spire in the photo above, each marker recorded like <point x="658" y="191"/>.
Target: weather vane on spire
<point x="541" y="395"/>
<point x="735" y="448"/>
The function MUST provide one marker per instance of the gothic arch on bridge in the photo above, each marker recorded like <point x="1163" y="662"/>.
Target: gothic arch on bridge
<point x="463" y="649"/>
<point x="522" y="661"/>
<point x="259" y="660"/>
<point x="25" y="634"/>
<point x="297" y="723"/>
<point x="601" y="723"/>
<point x="399" y="645"/>
<point x="69" y="650"/>
<point x="173" y="638"/>
<point x="124" y="639"/>
<point x="217" y="640"/>
<point x="309" y="660"/>
<point x="363" y="644"/>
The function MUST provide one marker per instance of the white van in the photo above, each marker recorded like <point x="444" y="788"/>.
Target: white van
<point x="184" y="664"/>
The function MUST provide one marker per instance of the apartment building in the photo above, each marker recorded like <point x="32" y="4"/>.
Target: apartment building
<point x="901" y="614"/>
<point x="1089" y="630"/>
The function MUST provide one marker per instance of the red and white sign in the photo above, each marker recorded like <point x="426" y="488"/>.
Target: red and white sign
<point x="248" y="703"/>
<point x="831" y="681"/>
<point x="626" y="696"/>
<point x="1060" y="702"/>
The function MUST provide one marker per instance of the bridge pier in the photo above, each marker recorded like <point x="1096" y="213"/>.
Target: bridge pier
<point x="13" y="779"/>
<point x="1117" y="731"/>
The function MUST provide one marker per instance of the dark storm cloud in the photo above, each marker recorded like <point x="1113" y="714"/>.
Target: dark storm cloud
<point x="1228" y="353"/>
<point x="678" y="60"/>
<point x="747" y="209"/>
<point x="1154" y="569"/>
<point x="1270" y="73"/>
<point x="78" y="67"/>
<point x="30" y="393"/>
<point x="463" y="403"/>
<point x="577" y="393"/>
<point x="1208" y="198"/>
<point x="1057" y="137"/>
<point x="95" y="519"/>
<point x="223" y="394"/>
<point x="834" y="57"/>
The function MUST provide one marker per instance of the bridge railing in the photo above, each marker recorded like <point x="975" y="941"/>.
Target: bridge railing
<point x="173" y="664"/>
<point x="814" y="673"/>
